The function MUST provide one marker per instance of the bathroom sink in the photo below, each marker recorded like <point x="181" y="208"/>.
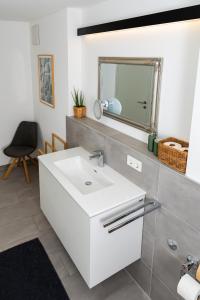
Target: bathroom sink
<point x="93" y="188"/>
<point x="83" y="175"/>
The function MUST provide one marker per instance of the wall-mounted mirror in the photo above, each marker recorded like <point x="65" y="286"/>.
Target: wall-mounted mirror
<point x="129" y="90"/>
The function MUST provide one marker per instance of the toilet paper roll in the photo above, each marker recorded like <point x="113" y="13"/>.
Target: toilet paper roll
<point x="198" y="273"/>
<point x="188" y="288"/>
<point x="184" y="149"/>
<point x="173" y="145"/>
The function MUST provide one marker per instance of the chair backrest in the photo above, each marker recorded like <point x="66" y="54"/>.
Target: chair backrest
<point x="26" y="135"/>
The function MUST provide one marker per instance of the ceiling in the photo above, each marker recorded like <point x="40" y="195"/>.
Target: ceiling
<point x="27" y="10"/>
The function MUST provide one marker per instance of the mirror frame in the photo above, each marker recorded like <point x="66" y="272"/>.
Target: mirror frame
<point x="157" y="63"/>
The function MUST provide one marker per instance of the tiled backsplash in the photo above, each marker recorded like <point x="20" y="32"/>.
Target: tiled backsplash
<point x="158" y="271"/>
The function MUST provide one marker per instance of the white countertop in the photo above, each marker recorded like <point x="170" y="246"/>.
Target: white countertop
<point x="121" y="192"/>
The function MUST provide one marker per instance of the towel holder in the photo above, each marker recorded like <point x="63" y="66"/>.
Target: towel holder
<point x="150" y="206"/>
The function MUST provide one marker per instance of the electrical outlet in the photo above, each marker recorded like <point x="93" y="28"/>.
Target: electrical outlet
<point x="134" y="163"/>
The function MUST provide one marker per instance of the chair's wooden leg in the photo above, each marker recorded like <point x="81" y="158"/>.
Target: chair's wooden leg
<point x="28" y="180"/>
<point x="32" y="160"/>
<point x="19" y="162"/>
<point x="10" y="168"/>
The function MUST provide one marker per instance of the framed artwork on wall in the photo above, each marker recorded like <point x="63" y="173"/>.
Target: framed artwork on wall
<point x="46" y="79"/>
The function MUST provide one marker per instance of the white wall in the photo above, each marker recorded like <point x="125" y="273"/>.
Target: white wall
<point x="76" y="62"/>
<point x="76" y="66"/>
<point x="176" y="43"/>
<point x="53" y="40"/>
<point x="58" y="37"/>
<point x="16" y="102"/>
<point x="74" y="57"/>
<point x="193" y="166"/>
<point x="112" y="10"/>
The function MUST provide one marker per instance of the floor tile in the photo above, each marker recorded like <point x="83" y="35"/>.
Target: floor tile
<point x="50" y="242"/>
<point x="77" y="289"/>
<point x="130" y="292"/>
<point x="18" y="211"/>
<point x="41" y="223"/>
<point x="141" y="273"/>
<point x="63" y="263"/>
<point x="17" y="231"/>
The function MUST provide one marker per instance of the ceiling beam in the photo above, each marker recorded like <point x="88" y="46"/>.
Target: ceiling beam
<point x="170" y="16"/>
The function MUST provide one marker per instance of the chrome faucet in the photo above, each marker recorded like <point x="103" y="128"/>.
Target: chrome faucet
<point x="100" y="155"/>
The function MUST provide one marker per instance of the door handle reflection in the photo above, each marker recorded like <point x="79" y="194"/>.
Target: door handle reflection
<point x="142" y="102"/>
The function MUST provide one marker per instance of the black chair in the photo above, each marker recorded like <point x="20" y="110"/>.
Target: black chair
<point x="23" y="144"/>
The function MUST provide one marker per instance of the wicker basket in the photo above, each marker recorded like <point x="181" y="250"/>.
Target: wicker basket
<point x="172" y="157"/>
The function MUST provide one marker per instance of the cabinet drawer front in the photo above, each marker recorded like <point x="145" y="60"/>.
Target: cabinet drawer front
<point x="111" y="252"/>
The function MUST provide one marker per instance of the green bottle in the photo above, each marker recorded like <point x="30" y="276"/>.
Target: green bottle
<point x="151" y="139"/>
<point x="155" y="147"/>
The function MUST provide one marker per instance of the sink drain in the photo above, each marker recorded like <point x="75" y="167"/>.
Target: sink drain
<point x="88" y="183"/>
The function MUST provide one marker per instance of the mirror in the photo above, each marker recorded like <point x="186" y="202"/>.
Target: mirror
<point x="129" y="90"/>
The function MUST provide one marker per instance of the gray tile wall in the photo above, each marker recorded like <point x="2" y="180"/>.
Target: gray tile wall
<point x="158" y="271"/>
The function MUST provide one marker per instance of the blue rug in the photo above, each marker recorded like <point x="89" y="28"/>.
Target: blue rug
<point x="26" y="273"/>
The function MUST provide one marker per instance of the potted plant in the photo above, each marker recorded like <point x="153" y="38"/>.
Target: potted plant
<point x="79" y="107"/>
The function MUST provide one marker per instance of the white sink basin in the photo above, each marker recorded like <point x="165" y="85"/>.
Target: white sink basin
<point x="93" y="188"/>
<point x="83" y="175"/>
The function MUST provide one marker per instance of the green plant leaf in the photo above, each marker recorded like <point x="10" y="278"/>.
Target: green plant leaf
<point x="78" y="98"/>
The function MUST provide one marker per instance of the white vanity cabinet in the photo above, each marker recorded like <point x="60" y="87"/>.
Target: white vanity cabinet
<point x="97" y="253"/>
<point x="111" y="252"/>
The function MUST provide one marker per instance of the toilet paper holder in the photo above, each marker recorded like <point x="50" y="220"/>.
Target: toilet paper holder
<point x="190" y="266"/>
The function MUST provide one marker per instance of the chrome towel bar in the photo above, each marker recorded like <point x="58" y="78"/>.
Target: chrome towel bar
<point x="126" y="214"/>
<point x="151" y="205"/>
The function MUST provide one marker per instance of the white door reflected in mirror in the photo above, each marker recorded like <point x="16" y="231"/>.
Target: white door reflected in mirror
<point x="129" y="90"/>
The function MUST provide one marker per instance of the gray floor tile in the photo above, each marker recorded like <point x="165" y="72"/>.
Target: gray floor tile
<point x="50" y="242"/>
<point x="119" y="280"/>
<point x="119" y="286"/>
<point x="18" y="211"/>
<point x="41" y="223"/>
<point x="129" y="292"/>
<point x="16" y="231"/>
<point x="77" y="288"/>
<point x="63" y="263"/>
<point x="142" y="274"/>
<point x="19" y="242"/>
<point x="12" y="193"/>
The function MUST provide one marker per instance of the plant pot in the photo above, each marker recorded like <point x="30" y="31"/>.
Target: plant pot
<point x="79" y="112"/>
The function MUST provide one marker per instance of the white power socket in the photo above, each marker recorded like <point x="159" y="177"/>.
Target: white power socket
<point x="134" y="163"/>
